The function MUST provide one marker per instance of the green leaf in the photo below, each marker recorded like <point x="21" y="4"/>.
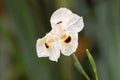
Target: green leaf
<point x="92" y="63"/>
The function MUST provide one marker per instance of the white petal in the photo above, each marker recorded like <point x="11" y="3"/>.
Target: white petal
<point x="55" y="51"/>
<point x="41" y="48"/>
<point x="70" y="21"/>
<point x="59" y="15"/>
<point x="69" y="48"/>
<point x="73" y="23"/>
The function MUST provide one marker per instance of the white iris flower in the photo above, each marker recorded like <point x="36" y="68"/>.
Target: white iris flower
<point x="63" y="37"/>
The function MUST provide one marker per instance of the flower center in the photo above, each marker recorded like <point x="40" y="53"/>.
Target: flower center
<point x="61" y="31"/>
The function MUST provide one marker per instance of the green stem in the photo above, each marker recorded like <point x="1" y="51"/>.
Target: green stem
<point x="92" y="63"/>
<point x="79" y="66"/>
<point x="96" y="76"/>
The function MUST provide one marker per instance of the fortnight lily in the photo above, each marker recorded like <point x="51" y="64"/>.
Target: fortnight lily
<point x="63" y="37"/>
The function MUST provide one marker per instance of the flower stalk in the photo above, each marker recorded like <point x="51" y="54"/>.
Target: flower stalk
<point x="79" y="66"/>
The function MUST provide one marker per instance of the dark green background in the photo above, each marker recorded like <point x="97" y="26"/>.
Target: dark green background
<point x="22" y="22"/>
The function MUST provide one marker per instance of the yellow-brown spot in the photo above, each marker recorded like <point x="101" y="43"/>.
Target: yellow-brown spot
<point x="59" y="22"/>
<point x="46" y="45"/>
<point x="48" y="42"/>
<point x="68" y="39"/>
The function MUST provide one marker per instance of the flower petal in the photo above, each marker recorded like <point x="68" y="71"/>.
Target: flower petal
<point x="48" y="47"/>
<point x="55" y="51"/>
<point x="41" y="48"/>
<point x="67" y="19"/>
<point x="73" y="23"/>
<point x="59" y="15"/>
<point x="69" y="45"/>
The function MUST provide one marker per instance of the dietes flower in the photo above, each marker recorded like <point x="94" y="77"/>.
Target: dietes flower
<point x="63" y="37"/>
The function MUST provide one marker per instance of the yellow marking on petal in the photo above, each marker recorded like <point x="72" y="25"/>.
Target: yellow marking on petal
<point x="46" y="45"/>
<point x="63" y="37"/>
<point x="49" y="42"/>
<point x="66" y="38"/>
<point x="64" y="30"/>
<point x="51" y="33"/>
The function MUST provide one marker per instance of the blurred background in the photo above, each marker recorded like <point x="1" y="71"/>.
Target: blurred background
<point x="22" y="22"/>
